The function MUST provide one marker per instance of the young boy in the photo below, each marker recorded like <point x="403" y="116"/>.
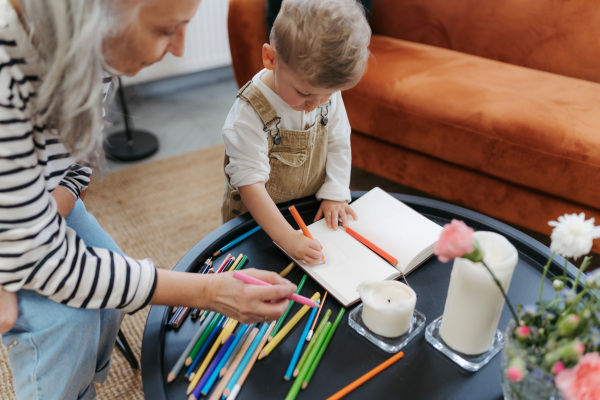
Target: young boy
<point x="287" y="135"/>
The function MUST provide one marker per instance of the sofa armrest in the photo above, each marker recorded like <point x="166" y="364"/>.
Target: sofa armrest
<point x="247" y="28"/>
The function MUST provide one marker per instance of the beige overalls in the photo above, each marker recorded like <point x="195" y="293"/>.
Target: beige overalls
<point x="297" y="158"/>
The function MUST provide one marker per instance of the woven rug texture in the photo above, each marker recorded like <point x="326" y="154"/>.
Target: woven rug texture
<point x="159" y="210"/>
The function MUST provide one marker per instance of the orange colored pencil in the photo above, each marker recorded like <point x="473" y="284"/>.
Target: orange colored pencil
<point x="386" y="256"/>
<point x="366" y="377"/>
<point x="302" y="225"/>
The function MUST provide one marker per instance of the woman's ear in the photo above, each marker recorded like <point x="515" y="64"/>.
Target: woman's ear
<point x="268" y="56"/>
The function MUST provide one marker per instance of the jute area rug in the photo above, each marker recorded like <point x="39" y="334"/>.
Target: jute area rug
<point x="158" y="210"/>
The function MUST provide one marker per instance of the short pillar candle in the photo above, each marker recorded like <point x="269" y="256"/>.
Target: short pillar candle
<point x="474" y="301"/>
<point x="388" y="307"/>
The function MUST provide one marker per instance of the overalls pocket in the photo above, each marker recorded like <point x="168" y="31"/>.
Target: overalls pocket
<point x="288" y="173"/>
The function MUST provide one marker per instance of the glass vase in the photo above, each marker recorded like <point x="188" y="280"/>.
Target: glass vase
<point x="535" y="385"/>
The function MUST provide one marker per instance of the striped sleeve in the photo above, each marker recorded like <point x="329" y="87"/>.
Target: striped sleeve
<point x="37" y="250"/>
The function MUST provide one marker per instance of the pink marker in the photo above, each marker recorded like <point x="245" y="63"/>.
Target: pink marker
<point x="296" y="297"/>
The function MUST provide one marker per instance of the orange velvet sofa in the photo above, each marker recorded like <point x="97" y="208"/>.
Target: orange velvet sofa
<point x="494" y="106"/>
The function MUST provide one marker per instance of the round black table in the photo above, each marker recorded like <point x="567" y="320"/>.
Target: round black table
<point x="423" y="373"/>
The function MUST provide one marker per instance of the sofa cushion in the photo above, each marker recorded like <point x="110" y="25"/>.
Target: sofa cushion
<point x="525" y="126"/>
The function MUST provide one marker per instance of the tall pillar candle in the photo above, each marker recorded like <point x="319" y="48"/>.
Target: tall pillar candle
<point x="474" y="301"/>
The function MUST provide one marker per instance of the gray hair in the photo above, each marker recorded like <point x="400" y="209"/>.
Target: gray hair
<point x="68" y="37"/>
<point x="326" y="41"/>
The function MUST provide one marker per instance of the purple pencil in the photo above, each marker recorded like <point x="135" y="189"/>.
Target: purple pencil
<point x="196" y="392"/>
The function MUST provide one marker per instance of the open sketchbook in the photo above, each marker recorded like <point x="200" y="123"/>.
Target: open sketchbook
<point x="386" y="222"/>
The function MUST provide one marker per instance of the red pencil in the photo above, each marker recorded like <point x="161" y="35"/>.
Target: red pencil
<point x="373" y="247"/>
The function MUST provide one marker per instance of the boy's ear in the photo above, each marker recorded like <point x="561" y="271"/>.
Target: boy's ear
<point x="268" y="56"/>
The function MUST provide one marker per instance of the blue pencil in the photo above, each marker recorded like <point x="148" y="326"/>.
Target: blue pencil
<point x="208" y="342"/>
<point x="215" y="374"/>
<point x="234" y="378"/>
<point x="212" y="367"/>
<point x="294" y="360"/>
<point x="236" y="241"/>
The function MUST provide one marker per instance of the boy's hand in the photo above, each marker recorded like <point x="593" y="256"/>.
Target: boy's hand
<point x="333" y="211"/>
<point x="301" y="248"/>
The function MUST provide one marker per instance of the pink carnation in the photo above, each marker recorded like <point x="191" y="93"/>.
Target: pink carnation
<point x="456" y="240"/>
<point x="515" y="373"/>
<point x="522" y="332"/>
<point x="581" y="382"/>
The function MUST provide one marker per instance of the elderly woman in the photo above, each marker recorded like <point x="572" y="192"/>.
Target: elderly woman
<point x="56" y="59"/>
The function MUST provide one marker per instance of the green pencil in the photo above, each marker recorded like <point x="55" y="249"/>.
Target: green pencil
<point x="242" y="262"/>
<point x="322" y="349"/>
<point x="312" y="342"/>
<point x="300" y="378"/>
<point x="282" y="318"/>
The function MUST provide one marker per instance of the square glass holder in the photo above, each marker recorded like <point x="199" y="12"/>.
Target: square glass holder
<point x="469" y="362"/>
<point x="390" y="345"/>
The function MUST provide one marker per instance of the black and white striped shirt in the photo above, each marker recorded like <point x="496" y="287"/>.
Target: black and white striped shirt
<point x="37" y="250"/>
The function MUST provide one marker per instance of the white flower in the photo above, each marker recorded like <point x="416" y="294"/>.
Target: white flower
<point x="572" y="235"/>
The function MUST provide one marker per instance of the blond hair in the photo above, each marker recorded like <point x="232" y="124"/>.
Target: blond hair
<point x="325" y="41"/>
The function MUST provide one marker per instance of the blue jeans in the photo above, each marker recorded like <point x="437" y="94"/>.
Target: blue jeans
<point x="60" y="350"/>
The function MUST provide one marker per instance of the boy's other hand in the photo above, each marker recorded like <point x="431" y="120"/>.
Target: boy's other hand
<point x="334" y="211"/>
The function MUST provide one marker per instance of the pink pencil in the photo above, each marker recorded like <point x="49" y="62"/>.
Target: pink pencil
<point x="296" y="297"/>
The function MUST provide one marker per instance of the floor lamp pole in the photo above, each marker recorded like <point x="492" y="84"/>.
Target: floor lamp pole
<point x="130" y="144"/>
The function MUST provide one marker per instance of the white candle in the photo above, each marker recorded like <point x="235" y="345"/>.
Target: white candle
<point x="474" y="302"/>
<point x="388" y="307"/>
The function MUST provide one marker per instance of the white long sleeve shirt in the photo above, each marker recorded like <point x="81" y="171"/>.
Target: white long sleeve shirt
<point x="247" y="147"/>
<point x="37" y="250"/>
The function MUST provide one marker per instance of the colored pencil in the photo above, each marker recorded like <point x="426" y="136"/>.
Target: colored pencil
<point x="286" y="328"/>
<point x="312" y="328"/>
<point x="297" y="385"/>
<point x="366" y="377"/>
<point x="315" y="362"/>
<point x="302" y="225"/>
<point x="287" y="269"/>
<point x="223" y="382"/>
<point x="233" y="266"/>
<point x="181" y="360"/>
<point x="242" y="378"/>
<point x="238" y="338"/>
<point x="235" y="351"/>
<point x="208" y="325"/>
<point x="241" y="263"/>
<point x="236" y="241"/>
<point x="185" y="311"/>
<point x="261" y="337"/>
<point x="287" y="311"/>
<point x="212" y="332"/>
<point x="195" y="394"/>
<point x="223" y="264"/>
<point x="296" y="355"/>
<point x="255" y="281"/>
<point x="312" y="342"/>
<point x="386" y="256"/>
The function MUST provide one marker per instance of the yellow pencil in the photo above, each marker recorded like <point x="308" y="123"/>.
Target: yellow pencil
<point x="228" y="329"/>
<point x="286" y="328"/>
<point x="236" y="262"/>
<point x="287" y="269"/>
<point x="204" y="365"/>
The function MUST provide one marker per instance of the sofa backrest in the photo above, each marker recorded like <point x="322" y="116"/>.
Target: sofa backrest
<point x="558" y="36"/>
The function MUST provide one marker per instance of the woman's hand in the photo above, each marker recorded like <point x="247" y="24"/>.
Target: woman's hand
<point x="300" y="247"/>
<point x="225" y="294"/>
<point x="333" y="211"/>
<point x="249" y="303"/>
<point x="9" y="310"/>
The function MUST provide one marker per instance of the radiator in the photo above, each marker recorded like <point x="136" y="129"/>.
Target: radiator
<point x="206" y="46"/>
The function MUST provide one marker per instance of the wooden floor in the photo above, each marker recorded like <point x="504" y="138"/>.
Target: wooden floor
<point x="187" y="113"/>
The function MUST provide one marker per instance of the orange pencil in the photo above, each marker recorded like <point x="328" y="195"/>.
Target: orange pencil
<point x="366" y="377"/>
<point x="387" y="257"/>
<point x="302" y="225"/>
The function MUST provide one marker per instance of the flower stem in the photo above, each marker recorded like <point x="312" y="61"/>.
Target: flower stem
<point x="544" y="275"/>
<point x="584" y="264"/>
<point x="508" y="303"/>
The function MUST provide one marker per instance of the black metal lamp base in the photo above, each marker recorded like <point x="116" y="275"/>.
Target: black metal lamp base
<point x="135" y="146"/>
